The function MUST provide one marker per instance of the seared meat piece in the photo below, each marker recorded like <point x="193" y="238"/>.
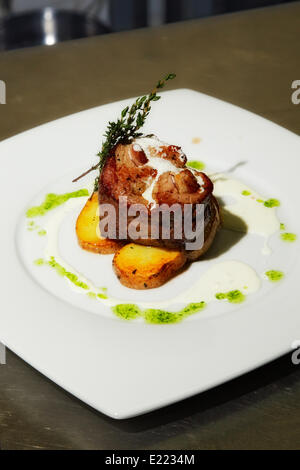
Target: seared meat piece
<point x="182" y="188"/>
<point x="152" y="173"/>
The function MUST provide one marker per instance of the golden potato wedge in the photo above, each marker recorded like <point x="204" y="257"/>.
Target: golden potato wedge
<point x="88" y="233"/>
<point x="146" y="267"/>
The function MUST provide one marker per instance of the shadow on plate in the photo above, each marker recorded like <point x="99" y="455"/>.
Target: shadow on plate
<point x="225" y="239"/>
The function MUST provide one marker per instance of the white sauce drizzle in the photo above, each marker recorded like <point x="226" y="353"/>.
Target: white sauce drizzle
<point x="51" y="250"/>
<point x="222" y="277"/>
<point x="161" y="165"/>
<point x="245" y="214"/>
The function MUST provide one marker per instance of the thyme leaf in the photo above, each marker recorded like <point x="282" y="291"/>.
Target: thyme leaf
<point x="127" y="127"/>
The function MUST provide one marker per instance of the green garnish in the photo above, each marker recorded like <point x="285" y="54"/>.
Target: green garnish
<point x="282" y="226"/>
<point x="233" y="296"/>
<point x="274" y="276"/>
<point x="161" y="317"/>
<point x="53" y="200"/>
<point x="246" y="193"/>
<point x="272" y="203"/>
<point x="62" y="271"/>
<point x="196" y="164"/>
<point x="71" y="276"/>
<point x="126" y="128"/>
<point x="39" y="262"/>
<point x="192" y="308"/>
<point x="102" y="296"/>
<point x="92" y="295"/>
<point x="42" y="233"/>
<point x="127" y="311"/>
<point x="288" y="237"/>
<point x="156" y="316"/>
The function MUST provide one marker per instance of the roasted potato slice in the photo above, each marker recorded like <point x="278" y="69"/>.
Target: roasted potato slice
<point x="146" y="267"/>
<point x="88" y="232"/>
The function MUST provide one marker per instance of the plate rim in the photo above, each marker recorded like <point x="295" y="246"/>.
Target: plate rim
<point x="121" y="413"/>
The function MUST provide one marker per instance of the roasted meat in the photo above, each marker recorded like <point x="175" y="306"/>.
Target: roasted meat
<point x="154" y="175"/>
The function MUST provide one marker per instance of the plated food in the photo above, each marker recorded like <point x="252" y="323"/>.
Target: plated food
<point x="225" y="309"/>
<point x="88" y="232"/>
<point x="152" y="176"/>
<point x="150" y="173"/>
<point x="149" y="218"/>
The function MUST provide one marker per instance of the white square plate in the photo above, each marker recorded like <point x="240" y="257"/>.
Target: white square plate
<point x="127" y="368"/>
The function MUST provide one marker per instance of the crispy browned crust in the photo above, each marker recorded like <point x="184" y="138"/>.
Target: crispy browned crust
<point x="105" y="247"/>
<point x="126" y="174"/>
<point x="209" y="234"/>
<point x="161" y="265"/>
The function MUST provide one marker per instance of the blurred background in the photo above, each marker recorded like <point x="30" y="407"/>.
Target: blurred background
<point x="27" y="23"/>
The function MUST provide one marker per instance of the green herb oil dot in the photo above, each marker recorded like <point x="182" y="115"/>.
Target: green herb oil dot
<point x="127" y="311"/>
<point x="42" y="233"/>
<point x="53" y="200"/>
<point x="91" y="295"/>
<point x="156" y="316"/>
<point x="288" y="237"/>
<point x="272" y="203"/>
<point x="274" y="276"/>
<point x="233" y="296"/>
<point x="196" y="165"/>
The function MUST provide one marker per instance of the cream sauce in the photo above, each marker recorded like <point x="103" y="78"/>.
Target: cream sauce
<point x="150" y="145"/>
<point x="221" y="277"/>
<point x="52" y="249"/>
<point x="246" y="214"/>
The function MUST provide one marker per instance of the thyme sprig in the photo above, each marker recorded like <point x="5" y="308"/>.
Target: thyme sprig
<point x="127" y="127"/>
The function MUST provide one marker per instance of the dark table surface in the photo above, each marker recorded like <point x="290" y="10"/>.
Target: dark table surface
<point x="249" y="59"/>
